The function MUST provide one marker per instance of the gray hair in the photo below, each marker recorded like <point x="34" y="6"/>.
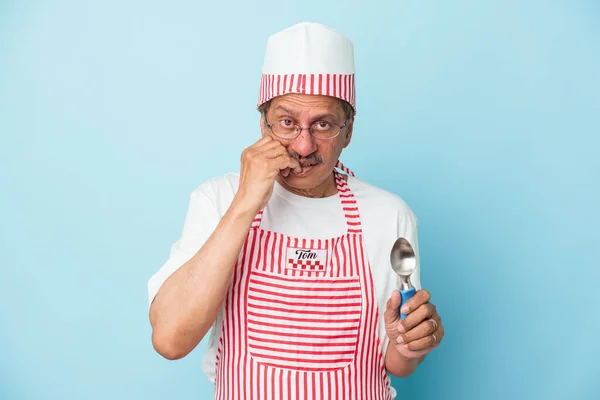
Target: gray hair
<point x="348" y="110"/>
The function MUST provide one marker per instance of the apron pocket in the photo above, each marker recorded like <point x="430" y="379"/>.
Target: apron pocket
<point x="301" y="323"/>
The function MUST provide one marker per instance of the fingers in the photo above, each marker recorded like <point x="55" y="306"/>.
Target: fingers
<point x="392" y="312"/>
<point x="271" y="150"/>
<point x="285" y="162"/>
<point x="425" y="311"/>
<point x="428" y="333"/>
<point x="421" y="297"/>
<point x="263" y="141"/>
<point x="427" y="342"/>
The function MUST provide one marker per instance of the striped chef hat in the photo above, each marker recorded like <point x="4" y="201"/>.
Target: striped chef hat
<point x="308" y="58"/>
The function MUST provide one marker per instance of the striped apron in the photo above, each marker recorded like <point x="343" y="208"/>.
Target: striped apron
<point x="300" y="318"/>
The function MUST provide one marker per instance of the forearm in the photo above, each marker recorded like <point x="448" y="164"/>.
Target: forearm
<point x="398" y="365"/>
<point x="188" y="302"/>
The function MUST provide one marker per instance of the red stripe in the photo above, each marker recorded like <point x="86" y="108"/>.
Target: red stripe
<point x="321" y="387"/>
<point x="272" y="379"/>
<point x="263" y="93"/>
<point x="335" y="92"/>
<point x="266" y="252"/>
<point x="328" y="92"/>
<point x="310" y="320"/>
<point x="273" y="251"/>
<point x="297" y="385"/>
<point x="278" y="90"/>
<point x="291" y="83"/>
<point x="280" y="373"/>
<point x="312" y="289"/>
<point x="304" y="83"/>
<point x="304" y="312"/>
<point x="347" y="83"/>
<point x="272" y="88"/>
<point x="353" y="86"/>
<point x="333" y="325"/>
<point x="312" y="83"/>
<point x="313" y="386"/>
<point x="292" y="343"/>
<point x="320" y="84"/>
<point x="280" y="258"/>
<point x="289" y="380"/>
<point x="298" y="83"/>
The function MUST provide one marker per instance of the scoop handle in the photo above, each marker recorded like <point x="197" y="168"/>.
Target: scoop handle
<point x="405" y="295"/>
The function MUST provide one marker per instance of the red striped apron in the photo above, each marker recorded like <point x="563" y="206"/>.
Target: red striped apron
<point x="300" y="319"/>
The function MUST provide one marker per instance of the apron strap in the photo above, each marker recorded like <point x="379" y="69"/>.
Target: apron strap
<point x="257" y="220"/>
<point x="349" y="205"/>
<point x="341" y="166"/>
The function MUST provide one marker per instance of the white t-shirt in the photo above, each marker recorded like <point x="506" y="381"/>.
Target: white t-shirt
<point x="384" y="217"/>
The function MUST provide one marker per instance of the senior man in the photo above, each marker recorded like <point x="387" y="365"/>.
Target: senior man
<point x="286" y="263"/>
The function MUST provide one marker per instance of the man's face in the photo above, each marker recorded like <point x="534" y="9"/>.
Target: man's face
<point x="317" y="156"/>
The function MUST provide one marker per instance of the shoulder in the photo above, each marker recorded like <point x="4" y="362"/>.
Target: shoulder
<point x="375" y="199"/>
<point x="218" y="190"/>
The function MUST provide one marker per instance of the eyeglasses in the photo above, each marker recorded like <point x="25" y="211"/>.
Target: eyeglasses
<point x="288" y="129"/>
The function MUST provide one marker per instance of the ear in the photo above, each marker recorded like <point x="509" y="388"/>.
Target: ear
<point x="263" y="126"/>
<point x="349" y="129"/>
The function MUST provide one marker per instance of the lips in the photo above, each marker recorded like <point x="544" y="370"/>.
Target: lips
<point x="305" y="171"/>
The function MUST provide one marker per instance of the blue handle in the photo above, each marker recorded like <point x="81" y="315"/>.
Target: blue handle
<point x="405" y="295"/>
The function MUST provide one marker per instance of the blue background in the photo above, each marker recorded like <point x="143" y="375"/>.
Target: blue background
<point x="482" y="115"/>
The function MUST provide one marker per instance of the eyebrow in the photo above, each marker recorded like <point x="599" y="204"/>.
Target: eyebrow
<point x="315" y="118"/>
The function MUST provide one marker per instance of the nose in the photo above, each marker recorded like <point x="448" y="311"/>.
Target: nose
<point x="305" y="144"/>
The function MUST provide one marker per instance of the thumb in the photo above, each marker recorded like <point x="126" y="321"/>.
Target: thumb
<point x="392" y="311"/>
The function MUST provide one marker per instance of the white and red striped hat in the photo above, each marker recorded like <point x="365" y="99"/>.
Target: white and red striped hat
<point x="308" y="58"/>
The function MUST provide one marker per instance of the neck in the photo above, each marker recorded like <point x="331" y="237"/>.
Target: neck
<point x="325" y="189"/>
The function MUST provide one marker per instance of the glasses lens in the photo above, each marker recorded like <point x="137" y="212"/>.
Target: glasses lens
<point x="284" y="130"/>
<point x="325" y="130"/>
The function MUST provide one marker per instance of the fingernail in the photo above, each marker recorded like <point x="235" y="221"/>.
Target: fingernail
<point x="404" y="310"/>
<point x="401" y="328"/>
<point x="400" y="339"/>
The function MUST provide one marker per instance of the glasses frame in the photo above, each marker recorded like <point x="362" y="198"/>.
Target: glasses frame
<point x="299" y="130"/>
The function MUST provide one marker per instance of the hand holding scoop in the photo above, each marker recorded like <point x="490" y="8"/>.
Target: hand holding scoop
<point x="404" y="262"/>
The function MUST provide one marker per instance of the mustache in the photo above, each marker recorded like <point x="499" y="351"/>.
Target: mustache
<point x="311" y="159"/>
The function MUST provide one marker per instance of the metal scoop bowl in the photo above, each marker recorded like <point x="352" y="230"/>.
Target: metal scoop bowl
<point x="404" y="262"/>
